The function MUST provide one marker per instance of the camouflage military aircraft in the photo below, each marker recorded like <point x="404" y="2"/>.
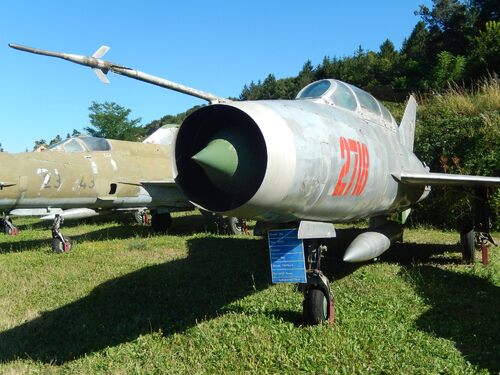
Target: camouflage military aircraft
<point x="86" y="176"/>
<point x="332" y="155"/>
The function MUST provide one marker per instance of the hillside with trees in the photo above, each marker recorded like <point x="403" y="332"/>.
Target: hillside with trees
<point x="455" y="42"/>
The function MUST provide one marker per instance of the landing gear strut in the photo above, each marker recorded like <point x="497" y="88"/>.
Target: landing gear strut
<point x="60" y="243"/>
<point x="8" y="227"/>
<point x="226" y="225"/>
<point x="318" y="300"/>
<point x="476" y="231"/>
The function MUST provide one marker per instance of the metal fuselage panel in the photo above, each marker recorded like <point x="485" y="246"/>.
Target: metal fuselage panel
<point x="314" y="151"/>
<point x="98" y="179"/>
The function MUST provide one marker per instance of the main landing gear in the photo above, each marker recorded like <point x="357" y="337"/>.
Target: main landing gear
<point x="60" y="243"/>
<point x="475" y="231"/>
<point x="8" y="227"/>
<point x="226" y="225"/>
<point x="318" y="301"/>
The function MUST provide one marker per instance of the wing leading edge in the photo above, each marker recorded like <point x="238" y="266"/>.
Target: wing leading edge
<point x="446" y="179"/>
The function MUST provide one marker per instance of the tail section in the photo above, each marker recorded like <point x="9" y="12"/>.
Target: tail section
<point x="407" y="126"/>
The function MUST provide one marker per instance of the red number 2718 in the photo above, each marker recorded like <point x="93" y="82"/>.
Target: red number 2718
<point x="356" y="184"/>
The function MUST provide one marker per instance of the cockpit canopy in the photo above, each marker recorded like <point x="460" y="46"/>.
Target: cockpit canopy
<point x="346" y="96"/>
<point x="81" y="144"/>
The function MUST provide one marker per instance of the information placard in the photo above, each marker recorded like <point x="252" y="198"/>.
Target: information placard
<point x="287" y="256"/>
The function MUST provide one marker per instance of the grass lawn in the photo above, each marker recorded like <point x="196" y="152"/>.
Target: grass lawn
<point x="126" y="301"/>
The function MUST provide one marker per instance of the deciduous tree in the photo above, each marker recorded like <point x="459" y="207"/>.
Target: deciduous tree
<point x="110" y="120"/>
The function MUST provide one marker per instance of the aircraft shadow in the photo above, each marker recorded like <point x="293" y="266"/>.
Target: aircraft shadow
<point x="183" y="225"/>
<point x="121" y="232"/>
<point x="407" y="253"/>
<point x="464" y="309"/>
<point x="170" y="297"/>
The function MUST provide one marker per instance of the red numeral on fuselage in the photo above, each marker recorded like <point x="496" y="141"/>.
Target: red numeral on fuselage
<point x="356" y="184"/>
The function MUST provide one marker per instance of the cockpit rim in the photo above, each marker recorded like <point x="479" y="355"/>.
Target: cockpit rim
<point x="85" y="144"/>
<point x="326" y="97"/>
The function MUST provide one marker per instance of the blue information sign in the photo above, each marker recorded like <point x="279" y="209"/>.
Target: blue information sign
<point x="287" y="256"/>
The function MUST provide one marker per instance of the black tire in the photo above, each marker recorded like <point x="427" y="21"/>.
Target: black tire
<point x="315" y="307"/>
<point x="4" y="227"/>
<point x="258" y="229"/>
<point x="137" y="215"/>
<point x="59" y="247"/>
<point x="467" y="238"/>
<point x="161" y="222"/>
<point x="234" y="225"/>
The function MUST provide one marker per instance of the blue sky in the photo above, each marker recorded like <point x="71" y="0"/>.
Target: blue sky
<point x="214" y="46"/>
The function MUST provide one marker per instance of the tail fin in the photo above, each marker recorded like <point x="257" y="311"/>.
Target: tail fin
<point x="407" y="126"/>
<point x="99" y="72"/>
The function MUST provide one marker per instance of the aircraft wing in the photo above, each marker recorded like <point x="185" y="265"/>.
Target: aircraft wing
<point x="442" y="179"/>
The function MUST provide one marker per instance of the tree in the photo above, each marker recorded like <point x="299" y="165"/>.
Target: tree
<point x="1" y="148"/>
<point x="484" y="11"/>
<point x="55" y="140"/>
<point x="415" y="60"/>
<point x="305" y="77"/>
<point x="110" y="120"/>
<point x="39" y="143"/>
<point x="451" y="24"/>
<point x="485" y="55"/>
<point x="449" y="69"/>
<point x="74" y="133"/>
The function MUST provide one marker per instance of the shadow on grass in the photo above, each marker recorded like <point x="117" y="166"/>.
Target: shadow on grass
<point x="187" y="224"/>
<point x="401" y="253"/>
<point x="182" y="225"/>
<point x="408" y="253"/>
<point x="120" y="232"/>
<point x="463" y="308"/>
<point x="170" y="297"/>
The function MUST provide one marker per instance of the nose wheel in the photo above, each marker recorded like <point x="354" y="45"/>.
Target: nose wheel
<point x="8" y="227"/>
<point x="318" y="304"/>
<point x="60" y="243"/>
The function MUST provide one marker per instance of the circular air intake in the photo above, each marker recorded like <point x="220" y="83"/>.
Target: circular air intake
<point x="221" y="157"/>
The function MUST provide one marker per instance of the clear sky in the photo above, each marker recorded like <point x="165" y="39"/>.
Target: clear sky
<point x="216" y="46"/>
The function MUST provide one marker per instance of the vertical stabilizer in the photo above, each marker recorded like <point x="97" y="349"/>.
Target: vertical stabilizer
<point x="407" y="126"/>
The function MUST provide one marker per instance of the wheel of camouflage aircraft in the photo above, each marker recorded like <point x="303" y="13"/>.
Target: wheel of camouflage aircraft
<point x="61" y="247"/>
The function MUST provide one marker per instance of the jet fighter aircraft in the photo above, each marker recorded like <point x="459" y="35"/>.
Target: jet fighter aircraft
<point x="87" y="176"/>
<point x="332" y="155"/>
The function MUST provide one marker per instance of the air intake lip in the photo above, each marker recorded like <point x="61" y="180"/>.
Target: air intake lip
<point x="220" y="124"/>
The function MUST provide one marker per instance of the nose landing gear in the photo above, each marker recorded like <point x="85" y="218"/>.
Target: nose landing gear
<point x="8" y="227"/>
<point x="318" y="304"/>
<point x="60" y="243"/>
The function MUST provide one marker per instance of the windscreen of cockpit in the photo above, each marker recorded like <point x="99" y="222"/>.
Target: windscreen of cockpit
<point x="343" y="97"/>
<point x="68" y="145"/>
<point x="96" y="144"/>
<point x="314" y="90"/>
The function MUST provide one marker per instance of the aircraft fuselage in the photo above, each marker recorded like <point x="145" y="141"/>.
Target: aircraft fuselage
<point x="98" y="179"/>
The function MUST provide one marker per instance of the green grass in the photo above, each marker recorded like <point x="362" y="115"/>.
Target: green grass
<point x="125" y="301"/>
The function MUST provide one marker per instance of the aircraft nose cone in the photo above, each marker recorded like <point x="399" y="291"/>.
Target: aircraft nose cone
<point x="227" y="161"/>
<point x="219" y="160"/>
